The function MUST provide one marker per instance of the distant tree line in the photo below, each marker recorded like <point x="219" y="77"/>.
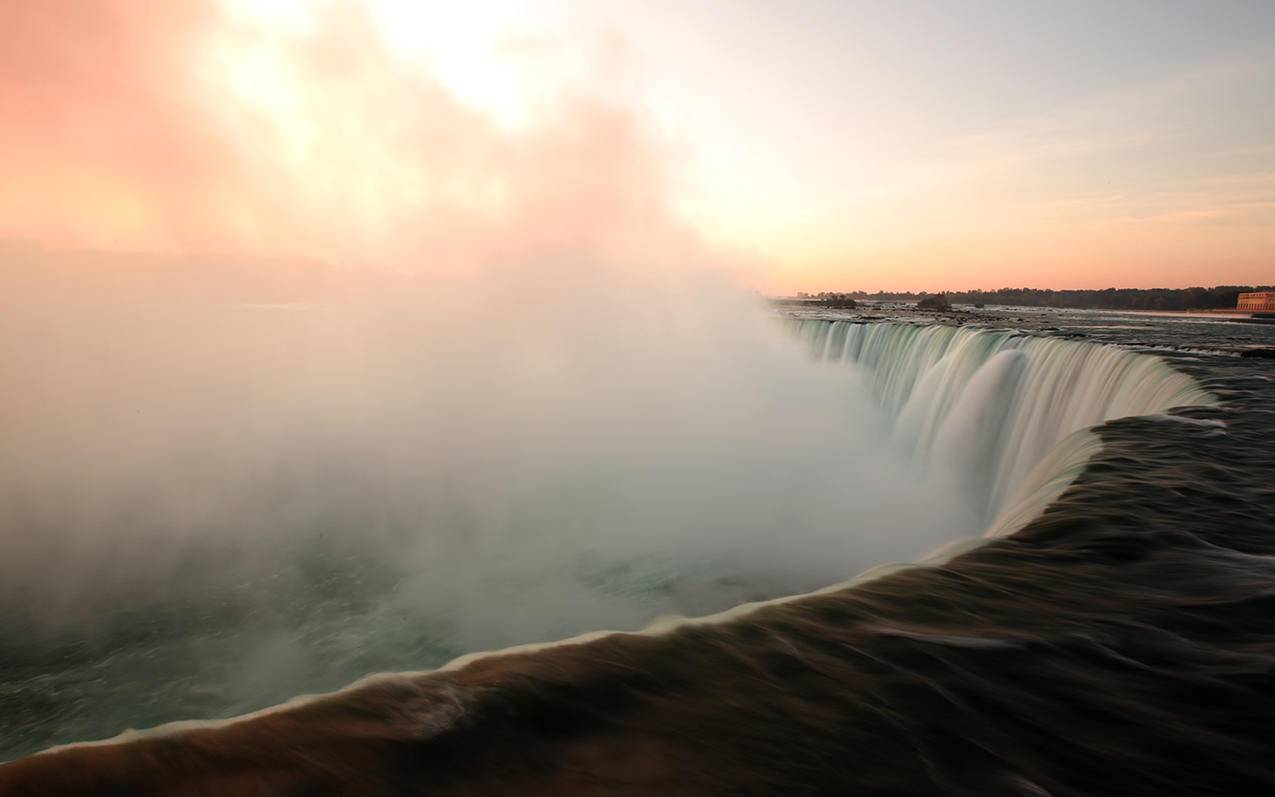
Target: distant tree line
<point x="1221" y="297"/>
<point x="844" y="301"/>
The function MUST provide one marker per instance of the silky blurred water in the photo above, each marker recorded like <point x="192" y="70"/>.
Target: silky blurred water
<point x="254" y="619"/>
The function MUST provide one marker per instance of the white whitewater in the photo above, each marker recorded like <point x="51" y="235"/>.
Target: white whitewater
<point x="699" y="505"/>
<point x="1006" y="411"/>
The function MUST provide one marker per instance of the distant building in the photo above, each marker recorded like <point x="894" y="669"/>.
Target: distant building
<point x="1257" y="302"/>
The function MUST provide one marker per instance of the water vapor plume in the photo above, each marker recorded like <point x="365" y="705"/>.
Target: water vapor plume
<point x="313" y="371"/>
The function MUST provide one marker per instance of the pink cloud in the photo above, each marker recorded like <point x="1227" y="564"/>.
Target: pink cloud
<point x="123" y="128"/>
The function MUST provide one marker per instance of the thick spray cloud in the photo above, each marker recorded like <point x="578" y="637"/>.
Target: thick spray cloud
<point x="445" y="387"/>
<point x="191" y="130"/>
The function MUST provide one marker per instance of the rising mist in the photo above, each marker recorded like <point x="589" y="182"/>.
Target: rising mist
<point x="364" y="381"/>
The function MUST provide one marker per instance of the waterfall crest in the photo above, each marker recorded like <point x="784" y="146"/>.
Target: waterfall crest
<point x="1004" y="410"/>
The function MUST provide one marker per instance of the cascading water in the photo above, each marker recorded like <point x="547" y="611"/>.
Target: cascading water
<point x="1007" y="412"/>
<point x="975" y="677"/>
<point x="313" y="494"/>
<point x="216" y="507"/>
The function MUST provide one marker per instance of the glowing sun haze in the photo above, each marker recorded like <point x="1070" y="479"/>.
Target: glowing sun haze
<point x="806" y="145"/>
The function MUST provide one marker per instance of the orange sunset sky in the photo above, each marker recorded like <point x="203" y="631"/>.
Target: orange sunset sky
<point x="805" y="145"/>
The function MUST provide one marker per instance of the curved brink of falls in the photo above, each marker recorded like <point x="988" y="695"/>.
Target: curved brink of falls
<point x="999" y="404"/>
<point x="1007" y="412"/>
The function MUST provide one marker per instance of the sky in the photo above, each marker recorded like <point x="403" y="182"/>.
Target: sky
<point x="802" y="145"/>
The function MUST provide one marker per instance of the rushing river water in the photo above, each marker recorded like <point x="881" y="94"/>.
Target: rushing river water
<point x="1127" y="458"/>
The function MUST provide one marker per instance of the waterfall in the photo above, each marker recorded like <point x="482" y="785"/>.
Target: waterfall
<point x="1005" y="411"/>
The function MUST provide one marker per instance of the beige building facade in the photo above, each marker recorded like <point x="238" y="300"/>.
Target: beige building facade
<point x="1258" y="302"/>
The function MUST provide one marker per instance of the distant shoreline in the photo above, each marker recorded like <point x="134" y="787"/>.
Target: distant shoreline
<point x="1217" y="301"/>
<point x="962" y="309"/>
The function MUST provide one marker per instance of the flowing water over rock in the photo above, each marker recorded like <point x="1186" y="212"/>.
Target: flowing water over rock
<point x="992" y="404"/>
<point x="1120" y="642"/>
